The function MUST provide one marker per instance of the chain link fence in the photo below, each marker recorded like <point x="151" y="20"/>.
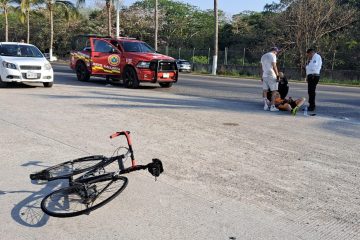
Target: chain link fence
<point x="245" y="62"/>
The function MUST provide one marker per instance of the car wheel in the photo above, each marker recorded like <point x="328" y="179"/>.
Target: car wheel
<point x="3" y="84"/>
<point x="82" y="72"/>
<point x="130" y="78"/>
<point x="48" y="84"/>
<point x="166" y="85"/>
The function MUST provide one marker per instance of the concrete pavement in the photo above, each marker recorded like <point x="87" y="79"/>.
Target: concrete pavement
<point x="231" y="171"/>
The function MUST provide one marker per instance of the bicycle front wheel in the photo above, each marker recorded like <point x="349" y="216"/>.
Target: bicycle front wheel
<point x="82" y="198"/>
<point x="69" y="168"/>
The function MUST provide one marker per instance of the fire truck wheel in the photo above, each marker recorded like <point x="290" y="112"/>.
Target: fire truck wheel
<point x="130" y="78"/>
<point x="165" y="85"/>
<point x="82" y="72"/>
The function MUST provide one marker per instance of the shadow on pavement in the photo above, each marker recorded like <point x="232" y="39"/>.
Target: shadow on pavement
<point x="14" y="85"/>
<point x="28" y="211"/>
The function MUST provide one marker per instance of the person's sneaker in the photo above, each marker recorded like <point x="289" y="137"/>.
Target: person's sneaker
<point x="294" y="110"/>
<point x="273" y="109"/>
<point x="266" y="107"/>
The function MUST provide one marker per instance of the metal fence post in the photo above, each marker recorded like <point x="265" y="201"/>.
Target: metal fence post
<point x="243" y="62"/>
<point x="332" y="65"/>
<point x="209" y="56"/>
<point x="226" y="56"/>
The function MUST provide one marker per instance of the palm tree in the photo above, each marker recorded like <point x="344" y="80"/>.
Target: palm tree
<point x="5" y="5"/>
<point x="50" y="5"/>
<point x="25" y="8"/>
<point x="109" y="5"/>
<point x="156" y="25"/>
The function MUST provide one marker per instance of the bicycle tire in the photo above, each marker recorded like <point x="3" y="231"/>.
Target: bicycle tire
<point x="71" y="202"/>
<point x="69" y="168"/>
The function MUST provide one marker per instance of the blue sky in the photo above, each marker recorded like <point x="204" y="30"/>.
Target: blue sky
<point x="229" y="6"/>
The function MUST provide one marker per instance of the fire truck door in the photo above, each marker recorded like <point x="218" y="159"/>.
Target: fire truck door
<point x="105" y="58"/>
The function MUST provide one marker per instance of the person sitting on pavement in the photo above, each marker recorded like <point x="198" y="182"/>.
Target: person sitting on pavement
<point x="288" y="104"/>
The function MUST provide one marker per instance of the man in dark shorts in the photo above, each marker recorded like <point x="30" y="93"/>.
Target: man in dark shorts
<point x="288" y="104"/>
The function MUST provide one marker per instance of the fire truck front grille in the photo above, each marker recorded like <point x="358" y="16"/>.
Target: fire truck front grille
<point x="167" y="66"/>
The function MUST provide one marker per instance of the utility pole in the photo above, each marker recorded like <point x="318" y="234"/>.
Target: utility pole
<point x="156" y="25"/>
<point x="216" y="38"/>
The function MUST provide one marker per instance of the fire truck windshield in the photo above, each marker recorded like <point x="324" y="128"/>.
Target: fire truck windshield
<point x="137" y="47"/>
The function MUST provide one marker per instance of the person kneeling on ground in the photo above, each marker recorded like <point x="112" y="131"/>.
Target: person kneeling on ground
<point x="289" y="104"/>
<point x="283" y="88"/>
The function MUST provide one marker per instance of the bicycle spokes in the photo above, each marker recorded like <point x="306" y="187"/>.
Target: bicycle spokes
<point x="82" y="198"/>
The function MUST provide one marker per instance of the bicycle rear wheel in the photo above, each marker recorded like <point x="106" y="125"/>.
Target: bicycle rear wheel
<point x="82" y="198"/>
<point x="70" y="168"/>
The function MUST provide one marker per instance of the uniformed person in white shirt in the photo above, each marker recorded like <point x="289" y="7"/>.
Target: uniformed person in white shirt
<point x="313" y="68"/>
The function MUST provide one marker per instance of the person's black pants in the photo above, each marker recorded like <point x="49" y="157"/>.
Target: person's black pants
<point x="312" y="81"/>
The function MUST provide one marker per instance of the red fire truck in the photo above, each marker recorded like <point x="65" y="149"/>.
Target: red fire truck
<point x="126" y="59"/>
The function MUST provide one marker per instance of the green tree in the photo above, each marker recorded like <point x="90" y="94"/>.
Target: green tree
<point x="25" y="7"/>
<point x="180" y="24"/>
<point x="5" y="6"/>
<point x="67" y="6"/>
<point x="310" y="23"/>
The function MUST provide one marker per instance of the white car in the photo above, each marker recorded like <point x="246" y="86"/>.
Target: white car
<point x="21" y="62"/>
<point x="183" y="65"/>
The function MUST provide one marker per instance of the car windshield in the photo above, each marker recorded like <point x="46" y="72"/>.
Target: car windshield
<point x="15" y="50"/>
<point x="137" y="47"/>
<point x="184" y="62"/>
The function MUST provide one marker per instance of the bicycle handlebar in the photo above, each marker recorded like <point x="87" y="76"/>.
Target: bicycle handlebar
<point x="155" y="168"/>
<point x="119" y="134"/>
<point x="128" y="139"/>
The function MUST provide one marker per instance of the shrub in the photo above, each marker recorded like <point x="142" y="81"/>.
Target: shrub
<point x="200" y="59"/>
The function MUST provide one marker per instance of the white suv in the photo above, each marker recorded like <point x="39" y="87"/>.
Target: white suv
<point x="21" y="62"/>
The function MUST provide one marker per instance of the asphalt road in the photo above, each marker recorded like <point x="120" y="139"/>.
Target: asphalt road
<point x="337" y="102"/>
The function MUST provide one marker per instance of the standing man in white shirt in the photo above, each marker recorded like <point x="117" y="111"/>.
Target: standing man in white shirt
<point x="269" y="77"/>
<point x="313" y="68"/>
